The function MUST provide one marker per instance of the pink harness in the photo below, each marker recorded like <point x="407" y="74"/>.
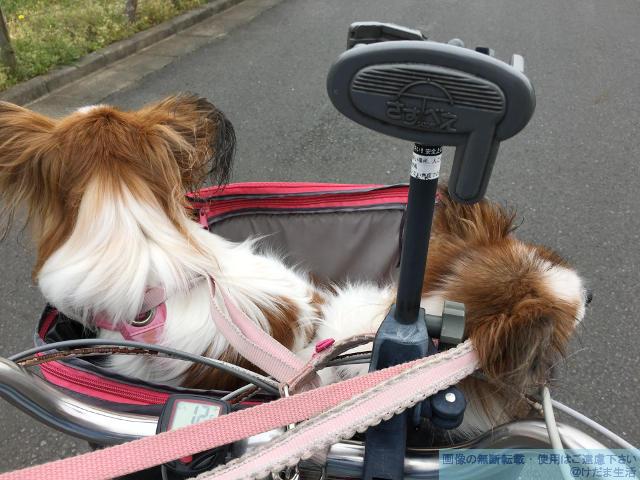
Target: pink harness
<point x="147" y="326"/>
<point x="330" y="413"/>
<point x="241" y="332"/>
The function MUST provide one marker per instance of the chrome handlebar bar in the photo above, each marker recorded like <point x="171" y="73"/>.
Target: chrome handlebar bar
<point x="34" y="396"/>
<point x="102" y="426"/>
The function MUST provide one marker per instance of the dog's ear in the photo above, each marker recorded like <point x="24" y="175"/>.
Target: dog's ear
<point x="518" y="348"/>
<point x="484" y="222"/>
<point x="200" y="137"/>
<point x="27" y="168"/>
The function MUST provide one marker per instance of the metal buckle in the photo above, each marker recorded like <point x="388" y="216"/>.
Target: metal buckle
<point x="289" y="473"/>
<point x="142" y="320"/>
<point x="285" y="390"/>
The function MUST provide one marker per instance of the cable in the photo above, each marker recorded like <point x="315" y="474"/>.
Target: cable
<point x="554" y="434"/>
<point x="621" y="442"/>
<point x="238" y="392"/>
<point x="352" y="358"/>
<point x="258" y="380"/>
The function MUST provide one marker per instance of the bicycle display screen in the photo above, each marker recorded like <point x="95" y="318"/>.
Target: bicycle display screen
<point x="187" y="412"/>
<point x="184" y="410"/>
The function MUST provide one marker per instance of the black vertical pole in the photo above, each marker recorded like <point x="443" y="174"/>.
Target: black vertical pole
<point x="403" y="335"/>
<point x="423" y="186"/>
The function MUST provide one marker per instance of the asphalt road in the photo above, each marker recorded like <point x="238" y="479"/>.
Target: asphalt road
<point x="573" y="174"/>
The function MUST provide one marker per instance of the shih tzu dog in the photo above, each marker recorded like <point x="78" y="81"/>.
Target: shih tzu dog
<point x="104" y="192"/>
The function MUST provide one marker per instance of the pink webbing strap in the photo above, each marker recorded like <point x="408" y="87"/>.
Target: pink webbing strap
<point x="381" y="402"/>
<point x="151" y="451"/>
<point x="252" y="342"/>
<point x="321" y="358"/>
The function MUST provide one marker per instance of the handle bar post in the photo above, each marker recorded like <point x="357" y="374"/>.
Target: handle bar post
<point x="423" y="187"/>
<point x="403" y="335"/>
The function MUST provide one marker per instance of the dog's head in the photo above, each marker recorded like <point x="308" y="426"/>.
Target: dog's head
<point x="157" y="154"/>
<point x="523" y="301"/>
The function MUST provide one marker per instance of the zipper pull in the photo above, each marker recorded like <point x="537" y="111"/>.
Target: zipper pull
<point x="203" y="219"/>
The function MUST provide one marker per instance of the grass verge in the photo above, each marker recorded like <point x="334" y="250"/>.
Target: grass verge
<point x="50" y="33"/>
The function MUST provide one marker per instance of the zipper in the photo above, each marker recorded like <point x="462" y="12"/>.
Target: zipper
<point x="339" y="200"/>
<point x="76" y="378"/>
<point x="259" y="189"/>
<point x="140" y="395"/>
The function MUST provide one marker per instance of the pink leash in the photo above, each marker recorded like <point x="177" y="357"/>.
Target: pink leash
<point x="253" y="343"/>
<point x="388" y="398"/>
<point x="340" y="409"/>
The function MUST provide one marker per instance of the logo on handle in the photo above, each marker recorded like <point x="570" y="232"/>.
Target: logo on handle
<point x="417" y="105"/>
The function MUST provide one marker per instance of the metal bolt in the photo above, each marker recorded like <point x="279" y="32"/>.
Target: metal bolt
<point x="450" y="397"/>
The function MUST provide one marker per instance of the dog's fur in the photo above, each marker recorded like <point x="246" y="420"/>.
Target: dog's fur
<point x="104" y="192"/>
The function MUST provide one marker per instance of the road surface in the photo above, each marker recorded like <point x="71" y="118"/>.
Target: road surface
<point x="573" y="174"/>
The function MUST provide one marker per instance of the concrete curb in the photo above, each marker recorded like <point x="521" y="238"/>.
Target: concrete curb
<point x="30" y="90"/>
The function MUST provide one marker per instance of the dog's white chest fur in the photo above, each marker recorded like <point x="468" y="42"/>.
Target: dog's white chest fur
<point x="112" y="258"/>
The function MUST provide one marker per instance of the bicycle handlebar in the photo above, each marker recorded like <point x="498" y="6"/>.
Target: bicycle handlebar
<point x="102" y="426"/>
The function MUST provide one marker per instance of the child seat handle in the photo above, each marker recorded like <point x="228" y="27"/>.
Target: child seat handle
<point x="395" y="82"/>
<point x="434" y="94"/>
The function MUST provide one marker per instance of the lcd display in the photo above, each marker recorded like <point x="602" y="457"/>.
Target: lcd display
<point x="189" y="413"/>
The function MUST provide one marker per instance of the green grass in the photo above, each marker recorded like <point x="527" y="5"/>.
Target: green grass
<point x="50" y="33"/>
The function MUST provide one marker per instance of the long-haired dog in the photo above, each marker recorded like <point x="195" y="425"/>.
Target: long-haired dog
<point x="104" y="192"/>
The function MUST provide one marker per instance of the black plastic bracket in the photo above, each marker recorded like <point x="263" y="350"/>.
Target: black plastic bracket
<point x="364" y="33"/>
<point x="385" y="444"/>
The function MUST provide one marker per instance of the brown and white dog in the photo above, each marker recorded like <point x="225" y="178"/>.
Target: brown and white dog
<point x="104" y="192"/>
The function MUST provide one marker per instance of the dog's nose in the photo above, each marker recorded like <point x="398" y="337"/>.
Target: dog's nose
<point x="588" y="297"/>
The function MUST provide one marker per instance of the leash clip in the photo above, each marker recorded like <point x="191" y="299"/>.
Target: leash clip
<point x="285" y="392"/>
<point x="289" y="473"/>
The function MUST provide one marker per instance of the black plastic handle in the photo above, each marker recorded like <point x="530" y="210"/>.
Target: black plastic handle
<point x="436" y="94"/>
